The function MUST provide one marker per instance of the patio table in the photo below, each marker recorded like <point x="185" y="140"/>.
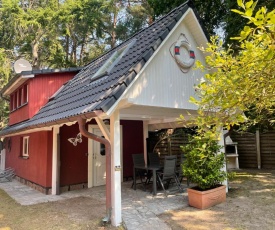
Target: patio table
<point x="154" y="169"/>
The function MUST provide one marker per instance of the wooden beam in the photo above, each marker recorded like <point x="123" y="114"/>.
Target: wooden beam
<point x="104" y="129"/>
<point x="56" y="162"/>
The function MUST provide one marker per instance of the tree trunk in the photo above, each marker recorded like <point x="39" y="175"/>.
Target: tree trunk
<point x="35" y="62"/>
<point x="113" y="34"/>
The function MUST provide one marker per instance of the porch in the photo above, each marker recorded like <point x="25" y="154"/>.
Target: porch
<point x="139" y="208"/>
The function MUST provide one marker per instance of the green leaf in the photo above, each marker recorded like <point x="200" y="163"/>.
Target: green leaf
<point x="240" y="4"/>
<point x="248" y="4"/>
<point x="237" y="11"/>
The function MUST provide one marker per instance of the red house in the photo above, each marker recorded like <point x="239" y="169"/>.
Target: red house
<point x="30" y="153"/>
<point x="54" y="140"/>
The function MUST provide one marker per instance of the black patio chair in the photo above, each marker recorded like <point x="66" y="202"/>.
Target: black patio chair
<point x="169" y="175"/>
<point x="142" y="174"/>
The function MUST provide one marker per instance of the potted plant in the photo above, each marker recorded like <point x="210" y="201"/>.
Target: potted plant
<point x="203" y="166"/>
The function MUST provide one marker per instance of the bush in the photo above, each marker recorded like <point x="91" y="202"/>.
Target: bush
<point x="203" y="163"/>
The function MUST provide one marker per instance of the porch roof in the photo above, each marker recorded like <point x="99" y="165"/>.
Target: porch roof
<point x="89" y="97"/>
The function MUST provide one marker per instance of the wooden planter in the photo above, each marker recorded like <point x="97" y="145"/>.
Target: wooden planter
<point x="206" y="199"/>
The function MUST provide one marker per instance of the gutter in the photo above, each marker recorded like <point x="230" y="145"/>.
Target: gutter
<point x="4" y="98"/>
<point x="107" y="144"/>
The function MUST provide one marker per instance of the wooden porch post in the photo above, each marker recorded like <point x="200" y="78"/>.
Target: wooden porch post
<point x="145" y="136"/>
<point x="3" y="159"/>
<point x="115" y="168"/>
<point x="55" y="162"/>
<point x="222" y="150"/>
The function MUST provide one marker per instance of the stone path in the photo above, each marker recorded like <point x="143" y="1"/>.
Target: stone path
<point x="139" y="208"/>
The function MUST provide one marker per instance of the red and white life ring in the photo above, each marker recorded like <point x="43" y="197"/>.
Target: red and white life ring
<point x="189" y="62"/>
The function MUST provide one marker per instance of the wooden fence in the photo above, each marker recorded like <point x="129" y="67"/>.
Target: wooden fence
<point x="256" y="150"/>
<point x="167" y="146"/>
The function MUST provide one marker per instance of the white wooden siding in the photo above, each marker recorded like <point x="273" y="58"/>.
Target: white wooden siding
<point x="162" y="83"/>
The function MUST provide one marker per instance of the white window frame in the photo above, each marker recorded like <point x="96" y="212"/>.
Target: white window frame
<point x="27" y="94"/>
<point x="112" y="61"/>
<point x="25" y="147"/>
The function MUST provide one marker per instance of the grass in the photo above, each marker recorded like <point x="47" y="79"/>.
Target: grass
<point x="75" y="213"/>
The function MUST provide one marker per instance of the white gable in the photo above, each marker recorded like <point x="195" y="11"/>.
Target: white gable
<point x="161" y="83"/>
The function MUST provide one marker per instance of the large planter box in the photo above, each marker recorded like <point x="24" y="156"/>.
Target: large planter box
<point x="206" y="199"/>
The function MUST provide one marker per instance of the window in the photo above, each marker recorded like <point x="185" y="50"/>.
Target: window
<point x="25" y="149"/>
<point x="15" y="101"/>
<point x="114" y="59"/>
<point x="19" y="98"/>
<point x="11" y="102"/>
<point x="25" y="94"/>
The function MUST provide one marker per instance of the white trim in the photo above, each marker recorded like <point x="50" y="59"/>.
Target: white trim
<point x="29" y="131"/>
<point x="25" y="146"/>
<point x="55" y="161"/>
<point x="116" y="168"/>
<point x="3" y="159"/>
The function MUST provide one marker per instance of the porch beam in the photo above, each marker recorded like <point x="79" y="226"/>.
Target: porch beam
<point x="222" y="150"/>
<point x="55" y="162"/>
<point x="103" y="128"/>
<point x="3" y="159"/>
<point x="116" y="217"/>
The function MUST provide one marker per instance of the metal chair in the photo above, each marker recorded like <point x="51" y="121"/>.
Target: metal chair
<point x="138" y="159"/>
<point x="169" y="174"/>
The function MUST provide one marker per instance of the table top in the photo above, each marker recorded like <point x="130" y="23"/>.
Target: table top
<point x="149" y="167"/>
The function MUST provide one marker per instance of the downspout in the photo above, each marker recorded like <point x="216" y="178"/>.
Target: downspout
<point x="84" y="132"/>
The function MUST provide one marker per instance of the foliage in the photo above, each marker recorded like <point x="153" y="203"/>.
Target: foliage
<point x="203" y="163"/>
<point x="211" y="12"/>
<point x="238" y="83"/>
<point x="57" y="34"/>
<point x="233" y="23"/>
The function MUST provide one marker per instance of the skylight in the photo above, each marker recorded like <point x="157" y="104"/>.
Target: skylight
<point x="113" y="60"/>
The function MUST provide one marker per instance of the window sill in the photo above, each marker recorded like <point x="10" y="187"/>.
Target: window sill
<point x="19" y="107"/>
<point x="24" y="157"/>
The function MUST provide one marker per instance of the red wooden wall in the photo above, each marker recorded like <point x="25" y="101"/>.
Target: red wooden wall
<point x="38" y="168"/>
<point x="132" y="144"/>
<point x="74" y="159"/>
<point x="40" y="89"/>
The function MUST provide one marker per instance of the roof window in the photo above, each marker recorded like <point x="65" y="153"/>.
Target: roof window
<point x="113" y="60"/>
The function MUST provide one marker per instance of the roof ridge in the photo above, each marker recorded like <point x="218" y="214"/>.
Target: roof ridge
<point x="139" y="32"/>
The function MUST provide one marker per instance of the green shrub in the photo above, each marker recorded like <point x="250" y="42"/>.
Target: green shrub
<point x="203" y="163"/>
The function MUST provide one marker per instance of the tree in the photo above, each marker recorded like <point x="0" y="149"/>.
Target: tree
<point x="211" y="12"/>
<point x="239" y="83"/>
<point x="233" y="23"/>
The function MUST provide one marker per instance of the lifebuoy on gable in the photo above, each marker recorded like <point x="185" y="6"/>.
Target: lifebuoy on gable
<point x="183" y="54"/>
